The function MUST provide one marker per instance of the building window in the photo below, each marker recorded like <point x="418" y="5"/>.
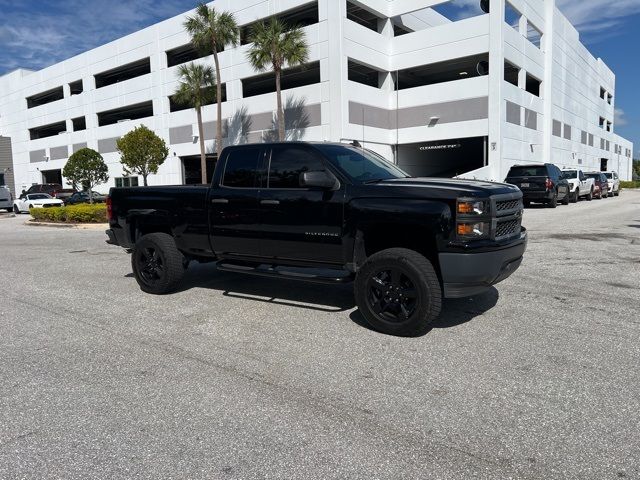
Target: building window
<point x="308" y="74"/>
<point x="363" y="17"/>
<point x="123" y="73"/>
<point x="511" y="73"/>
<point x="50" y="130"/>
<point x="567" y="131"/>
<point x="534" y="35"/>
<point x="513" y="113"/>
<point x="457" y="69"/>
<point x="603" y="93"/>
<point x="124" y="114"/>
<point x="126" y="182"/>
<point x="187" y="53"/>
<point x="79" y="124"/>
<point x="583" y="137"/>
<point x="512" y="16"/>
<point x="358" y="72"/>
<point x="75" y="88"/>
<point x="530" y="119"/>
<point x="602" y="122"/>
<point x="591" y="140"/>
<point x="602" y="143"/>
<point x="533" y="85"/>
<point x="609" y="98"/>
<point x="298" y="17"/>
<point x="557" y="128"/>
<point x="454" y="10"/>
<point x="45" y="97"/>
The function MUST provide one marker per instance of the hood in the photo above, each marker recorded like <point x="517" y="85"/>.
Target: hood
<point x="455" y="187"/>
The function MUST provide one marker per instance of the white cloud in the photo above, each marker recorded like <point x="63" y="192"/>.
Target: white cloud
<point x="33" y="37"/>
<point x="619" y="118"/>
<point x="599" y="17"/>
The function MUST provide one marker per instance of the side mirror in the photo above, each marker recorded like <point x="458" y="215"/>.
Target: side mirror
<point x="322" y="180"/>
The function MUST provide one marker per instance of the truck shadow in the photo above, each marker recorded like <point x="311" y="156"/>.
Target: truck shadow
<point x="320" y="297"/>
<point x="454" y="311"/>
<point x="305" y="295"/>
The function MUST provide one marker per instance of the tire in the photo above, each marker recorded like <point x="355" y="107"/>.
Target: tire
<point x="414" y="296"/>
<point x="158" y="265"/>
<point x="576" y="196"/>
<point x="16" y="210"/>
<point x="590" y="196"/>
<point x="553" y="203"/>
<point x="526" y="204"/>
<point x="9" y="209"/>
<point x="565" y="200"/>
<point x="30" y="207"/>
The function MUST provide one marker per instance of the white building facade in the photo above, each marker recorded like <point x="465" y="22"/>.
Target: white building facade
<point x="437" y="89"/>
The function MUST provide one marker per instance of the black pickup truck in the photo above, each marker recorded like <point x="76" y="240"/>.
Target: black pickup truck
<point x="328" y="212"/>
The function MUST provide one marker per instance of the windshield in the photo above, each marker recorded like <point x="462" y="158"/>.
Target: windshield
<point x="39" y="196"/>
<point x="569" y="174"/>
<point x="593" y="175"/>
<point x="361" y="166"/>
<point x="609" y="175"/>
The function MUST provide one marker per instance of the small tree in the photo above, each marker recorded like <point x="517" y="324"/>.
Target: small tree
<point x="196" y="90"/>
<point x="142" y="152"/>
<point x="275" y="46"/>
<point x="86" y="167"/>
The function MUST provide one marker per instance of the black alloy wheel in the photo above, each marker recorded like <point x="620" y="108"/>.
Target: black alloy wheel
<point x="392" y="295"/>
<point x="398" y="292"/>
<point x="157" y="263"/>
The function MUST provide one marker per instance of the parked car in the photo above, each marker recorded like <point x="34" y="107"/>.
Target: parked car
<point x="601" y="185"/>
<point x="542" y="183"/>
<point x="6" y="199"/>
<point x="35" y="200"/>
<point x="579" y="185"/>
<point x="614" y="183"/>
<point x="83" y="197"/>
<point x="331" y="213"/>
<point x="55" y="190"/>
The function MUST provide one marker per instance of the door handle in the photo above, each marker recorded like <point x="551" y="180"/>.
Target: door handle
<point x="269" y="202"/>
<point x="220" y="200"/>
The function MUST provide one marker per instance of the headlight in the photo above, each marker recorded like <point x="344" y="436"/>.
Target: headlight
<point x="466" y="207"/>
<point x="472" y="230"/>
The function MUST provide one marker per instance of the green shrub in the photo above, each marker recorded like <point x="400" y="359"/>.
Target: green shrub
<point x="84" y="213"/>
<point x="630" y="184"/>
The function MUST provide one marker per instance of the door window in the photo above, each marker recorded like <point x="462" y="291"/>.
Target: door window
<point x="288" y="163"/>
<point x="241" y="169"/>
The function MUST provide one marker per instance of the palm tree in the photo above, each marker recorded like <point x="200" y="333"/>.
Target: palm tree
<point x="275" y="45"/>
<point x="196" y="90"/>
<point x="211" y="30"/>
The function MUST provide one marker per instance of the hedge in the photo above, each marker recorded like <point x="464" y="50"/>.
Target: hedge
<point x="635" y="184"/>
<point x="84" y="213"/>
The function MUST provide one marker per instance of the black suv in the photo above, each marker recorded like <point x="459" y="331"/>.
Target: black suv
<point x="542" y="183"/>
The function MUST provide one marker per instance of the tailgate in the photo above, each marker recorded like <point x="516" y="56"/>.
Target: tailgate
<point x="529" y="183"/>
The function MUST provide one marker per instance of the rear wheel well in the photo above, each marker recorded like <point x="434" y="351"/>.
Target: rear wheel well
<point x="139" y="228"/>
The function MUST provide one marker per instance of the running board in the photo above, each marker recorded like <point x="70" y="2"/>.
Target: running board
<point x="292" y="273"/>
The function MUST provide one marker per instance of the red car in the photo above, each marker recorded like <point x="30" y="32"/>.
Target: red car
<point x="600" y="184"/>
<point x="54" y="189"/>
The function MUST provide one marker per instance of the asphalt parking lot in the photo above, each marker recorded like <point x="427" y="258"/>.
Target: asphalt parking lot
<point x="238" y="377"/>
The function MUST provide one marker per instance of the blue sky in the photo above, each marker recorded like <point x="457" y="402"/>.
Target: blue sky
<point x="34" y="34"/>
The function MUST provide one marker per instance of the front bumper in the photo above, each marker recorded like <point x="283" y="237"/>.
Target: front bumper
<point x="468" y="274"/>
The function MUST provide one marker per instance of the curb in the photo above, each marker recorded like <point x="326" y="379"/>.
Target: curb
<point x="75" y="226"/>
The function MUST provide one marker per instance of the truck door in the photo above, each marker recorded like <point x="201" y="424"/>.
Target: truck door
<point x="233" y="203"/>
<point x="299" y="223"/>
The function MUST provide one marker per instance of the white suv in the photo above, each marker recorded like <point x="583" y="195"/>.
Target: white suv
<point x="614" y="183"/>
<point x="6" y="199"/>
